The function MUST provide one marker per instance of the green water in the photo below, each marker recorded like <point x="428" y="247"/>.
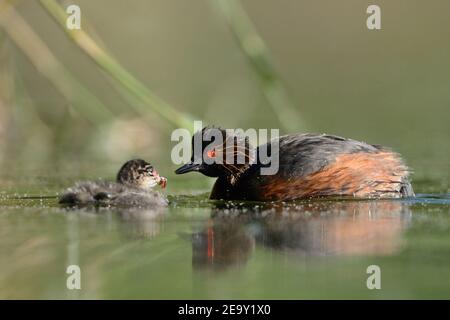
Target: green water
<point x="201" y="249"/>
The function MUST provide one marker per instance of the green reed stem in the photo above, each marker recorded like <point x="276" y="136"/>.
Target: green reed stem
<point x="18" y="30"/>
<point x="119" y="73"/>
<point x="257" y="53"/>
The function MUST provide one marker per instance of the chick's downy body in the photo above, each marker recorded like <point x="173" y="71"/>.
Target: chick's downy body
<point x="133" y="188"/>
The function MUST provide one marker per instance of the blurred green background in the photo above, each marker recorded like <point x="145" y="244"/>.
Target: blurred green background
<point x="389" y="86"/>
<point x="297" y="65"/>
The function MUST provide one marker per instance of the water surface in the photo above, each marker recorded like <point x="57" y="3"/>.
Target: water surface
<point x="196" y="248"/>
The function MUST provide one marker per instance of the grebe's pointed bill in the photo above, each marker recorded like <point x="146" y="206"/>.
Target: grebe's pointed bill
<point x="188" y="167"/>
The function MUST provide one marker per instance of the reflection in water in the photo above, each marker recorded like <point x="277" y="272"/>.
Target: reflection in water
<point x="222" y="243"/>
<point x="142" y="223"/>
<point x="314" y="228"/>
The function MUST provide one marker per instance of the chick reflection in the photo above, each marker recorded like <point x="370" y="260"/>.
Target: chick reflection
<point x="316" y="228"/>
<point x="141" y="223"/>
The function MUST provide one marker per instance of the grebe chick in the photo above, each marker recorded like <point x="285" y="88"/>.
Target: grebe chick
<point x="132" y="188"/>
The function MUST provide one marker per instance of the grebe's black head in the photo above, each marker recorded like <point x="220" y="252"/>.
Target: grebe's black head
<point x="141" y="174"/>
<point x="218" y="152"/>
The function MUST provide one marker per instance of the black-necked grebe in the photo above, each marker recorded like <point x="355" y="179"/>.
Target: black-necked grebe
<point x="310" y="165"/>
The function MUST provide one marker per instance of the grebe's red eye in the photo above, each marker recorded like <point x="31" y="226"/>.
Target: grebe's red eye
<point x="211" y="153"/>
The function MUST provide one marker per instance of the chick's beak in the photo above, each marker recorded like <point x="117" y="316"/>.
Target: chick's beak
<point x="187" y="168"/>
<point x="162" y="181"/>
